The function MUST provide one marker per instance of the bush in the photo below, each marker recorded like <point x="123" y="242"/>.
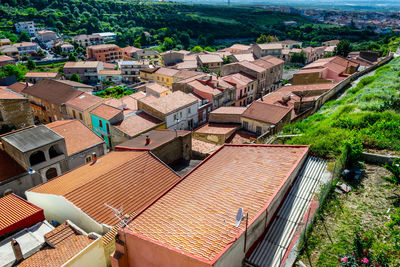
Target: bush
<point x="394" y="168"/>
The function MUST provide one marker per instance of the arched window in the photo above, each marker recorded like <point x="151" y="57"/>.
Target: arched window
<point x="54" y="151"/>
<point x="37" y="157"/>
<point x="51" y="173"/>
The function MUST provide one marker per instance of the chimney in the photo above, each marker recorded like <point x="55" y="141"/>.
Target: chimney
<point x="17" y="250"/>
<point x="94" y="157"/>
<point x="147" y="140"/>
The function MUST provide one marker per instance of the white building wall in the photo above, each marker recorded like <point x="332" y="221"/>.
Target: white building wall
<point x="91" y="256"/>
<point x="59" y="209"/>
<point x="183" y="116"/>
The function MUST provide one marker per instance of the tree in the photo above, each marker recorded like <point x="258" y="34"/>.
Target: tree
<point x="298" y="58"/>
<point x="13" y="70"/>
<point x="24" y="37"/>
<point x="168" y="43"/>
<point x="80" y="50"/>
<point x="40" y="53"/>
<point x="196" y="49"/>
<point x="226" y="60"/>
<point x="31" y="65"/>
<point x="72" y="56"/>
<point x="266" y="39"/>
<point x="209" y="49"/>
<point x="74" y="77"/>
<point x="343" y="48"/>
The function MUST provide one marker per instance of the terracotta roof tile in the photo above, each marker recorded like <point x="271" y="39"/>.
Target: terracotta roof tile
<point x="210" y="58"/>
<point x="123" y="178"/>
<point x="157" y="87"/>
<point x="52" y="91"/>
<point x="84" y="101"/>
<point x="157" y="138"/>
<point x="192" y="216"/>
<point x="82" y="64"/>
<point x="170" y="103"/>
<point x="215" y="128"/>
<point x="266" y="112"/>
<point x="4" y="58"/>
<point x="167" y="71"/>
<point x="9" y="94"/>
<point x="41" y="74"/>
<point x="78" y="137"/>
<point x="137" y="123"/>
<point x="110" y="72"/>
<point x="204" y="147"/>
<point x="67" y="245"/>
<point x="18" y="87"/>
<point x="105" y="111"/>
<point x="13" y="210"/>
<point x="229" y="110"/>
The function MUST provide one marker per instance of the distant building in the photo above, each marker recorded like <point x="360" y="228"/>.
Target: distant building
<point x="246" y="87"/>
<point x="10" y="50"/>
<point x="85" y="40"/>
<point x="65" y="47"/>
<point x="268" y="49"/>
<point x="157" y="90"/>
<point x="34" y="77"/>
<point x="261" y="118"/>
<point x="48" y="98"/>
<point x="267" y="71"/>
<point x="289" y="44"/>
<point x="151" y="55"/>
<point x="173" y="57"/>
<point x="6" y="60"/>
<point x="46" y="36"/>
<point x="129" y="52"/>
<point x="104" y="53"/>
<point x="26" y="26"/>
<point x="331" y="43"/>
<point x="86" y="70"/>
<point x="107" y="36"/>
<point x="114" y="76"/>
<point x="178" y="110"/>
<point x="210" y="61"/>
<point x="130" y="70"/>
<point x="325" y="70"/>
<point x="27" y="48"/>
<point x="5" y="42"/>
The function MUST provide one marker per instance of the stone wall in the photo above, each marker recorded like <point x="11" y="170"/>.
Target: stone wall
<point x="16" y="113"/>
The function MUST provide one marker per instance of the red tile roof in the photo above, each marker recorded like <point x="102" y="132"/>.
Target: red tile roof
<point x="137" y="123"/>
<point x="66" y="244"/>
<point x="4" y="58"/>
<point x="106" y="112"/>
<point x="157" y="138"/>
<point x="127" y="179"/>
<point x="84" y="101"/>
<point x="266" y="112"/>
<point x="17" y="213"/>
<point x="18" y="87"/>
<point x="52" y="91"/>
<point x="78" y="137"/>
<point x="41" y="74"/>
<point x="8" y="94"/>
<point x="170" y="103"/>
<point x="193" y="217"/>
<point x="217" y="128"/>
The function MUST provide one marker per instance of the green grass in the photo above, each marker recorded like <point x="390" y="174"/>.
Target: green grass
<point x="368" y="112"/>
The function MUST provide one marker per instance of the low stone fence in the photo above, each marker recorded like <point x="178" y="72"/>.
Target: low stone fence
<point x="377" y="158"/>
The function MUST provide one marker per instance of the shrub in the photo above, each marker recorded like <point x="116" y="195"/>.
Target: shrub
<point x="394" y="168"/>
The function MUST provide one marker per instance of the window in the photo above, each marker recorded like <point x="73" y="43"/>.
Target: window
<point x="100" y="124"/>
<point x="88" y="159"/>
<point x="51" y="173"/>
<point x="54" y="151"/>
<point x="175" y="117"/>
<point x="180" y="114"/>
<point x="80" y="116"/>
<point x="108" y="128"/>
<point x="258" y="130"/>
<point x="73" y="114"/>
<point x="189" y="111"/>
<point x="37" y="157"/>
<point x="245" y="125"/>
<point x="1" y="116"/>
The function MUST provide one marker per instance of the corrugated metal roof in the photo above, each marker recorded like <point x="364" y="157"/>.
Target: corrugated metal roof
<point x="32" y="138"/>
<point x="276" y="241"/>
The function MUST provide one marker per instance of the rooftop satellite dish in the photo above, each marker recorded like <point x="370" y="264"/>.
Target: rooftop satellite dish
<point x="31" y="171"/>
<point x="239" y="217"/>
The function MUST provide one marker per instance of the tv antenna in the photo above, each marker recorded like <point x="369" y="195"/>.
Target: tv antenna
<point x="124" y="219"/>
